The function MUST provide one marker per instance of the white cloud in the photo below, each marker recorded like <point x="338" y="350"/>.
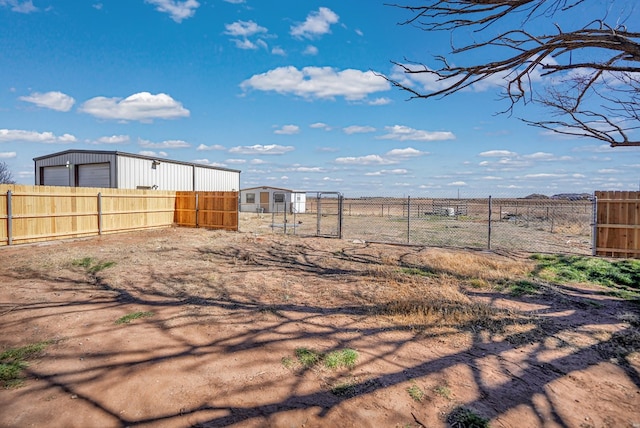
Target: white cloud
<point x="207" y="162"/>
<point x="497" y="153"/>
<point x="316" y="24"/>
<point x="113" y="139"/>
<point x="236" y="161"/>
<point x="543" y="176"/>
<point x="203" y="147"/>
<point x="457" y="183"/>
<point x="310" y="50"/>
<point x="355" y="129"/>
<point x="398" y="171"/>
<point x="318" y="82"/>
<point x="258" y="149"/>
<point x="12" y="135"/>
<point x="7" y="155"/>
<point x="153" y="154"/>
<point x="408" y="152"/>
<point x="25" y="6"/>
<point x="542" y="156"/>
<point x="244" y="29"/>
<point x="364" y="160"/>
<point x="608" y="171"/>
<point x="245" y="44"/>
<point x="379" y="102"/>
<point x="178" y="10"/>
<point x="404" y="133"/>
<point x="287" y="130"/>
<point x="308" y="169"/>
<point x="168" y="144"/>
<point x="52" y="100"/>
<point x="278" y="51"/>
<point x="235" y="1"/>
<point x="320" y="125"/>
<point x="491" y="177"/>
<point x="257" y="162"/>
<point x="143" y="107"/>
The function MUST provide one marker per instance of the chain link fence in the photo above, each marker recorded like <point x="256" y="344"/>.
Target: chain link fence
<point x="510" y="224"/>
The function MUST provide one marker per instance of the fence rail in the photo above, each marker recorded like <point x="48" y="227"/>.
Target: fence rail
<point x="43" y="213"/>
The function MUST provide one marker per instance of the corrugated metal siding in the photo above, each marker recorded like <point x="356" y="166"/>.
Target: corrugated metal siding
<point x="77" y="159"/>
<point x="215" y="180"/>
<point x="135" y="172"/>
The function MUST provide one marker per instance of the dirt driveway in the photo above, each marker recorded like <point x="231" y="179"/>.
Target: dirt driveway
<point x="220" y="322"/>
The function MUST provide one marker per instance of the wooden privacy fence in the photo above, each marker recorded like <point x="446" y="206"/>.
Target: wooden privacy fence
<point x="617" y="224"/>
<point x="44" y="213"/>
<point x="212" y="210"/>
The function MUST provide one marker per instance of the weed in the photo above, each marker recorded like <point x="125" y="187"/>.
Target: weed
<point x="287" y="362"/>
<point x="133" y="316"/>
<point x="523" y="287"/>
<point x="13" y="362"/>
<point x="101" y="266"/>
<point x="91" y="266"/>
<point x="415" y="392"/>
<point x="588" y="269"/>
<point x="85" y="262"/>
<point x="333" y="360"/>
<point x="443" y="391"/>
<point x="307" y="357"/>
<point x="418" y="271"/>
<point x="342" y="358"/>
<point x="461" y="417"/>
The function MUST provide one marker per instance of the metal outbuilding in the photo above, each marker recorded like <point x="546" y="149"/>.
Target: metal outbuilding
<point x="120" y="170"/>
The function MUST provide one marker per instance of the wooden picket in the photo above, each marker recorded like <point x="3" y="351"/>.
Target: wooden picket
<point x="618" y="224"/>
<point x="211" y="210"/>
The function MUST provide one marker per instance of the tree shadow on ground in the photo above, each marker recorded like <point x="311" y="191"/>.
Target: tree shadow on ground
<point x="249" y="319"/>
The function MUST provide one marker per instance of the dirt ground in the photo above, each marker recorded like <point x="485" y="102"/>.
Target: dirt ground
<point x="227" y="312"/>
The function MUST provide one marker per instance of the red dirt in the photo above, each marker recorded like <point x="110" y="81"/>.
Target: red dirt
<point x="230" y="309"/>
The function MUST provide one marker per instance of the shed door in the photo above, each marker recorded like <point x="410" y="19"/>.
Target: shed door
<point x="264" y="201"/>
<point x="94" y="175"/>
<point x="55" y="176"/>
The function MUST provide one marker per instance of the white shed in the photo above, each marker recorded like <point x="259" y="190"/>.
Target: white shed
<point x="92" y="168"/>
<point x="272" y="199"/>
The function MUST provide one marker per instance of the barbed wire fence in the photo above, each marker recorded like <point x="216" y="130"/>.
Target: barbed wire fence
<point x="510" y="224"/>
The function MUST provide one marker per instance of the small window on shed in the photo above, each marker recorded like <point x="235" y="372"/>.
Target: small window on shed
<point x="278" y="198"/>
<point x="250" y="198"/>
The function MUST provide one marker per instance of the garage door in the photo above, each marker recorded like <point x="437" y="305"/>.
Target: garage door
<point x="94" y="175"/>
<point x="55" y="176"/>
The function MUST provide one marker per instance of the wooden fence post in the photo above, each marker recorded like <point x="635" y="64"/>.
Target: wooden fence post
<point x="99" y="213"/>
<point x="9" y="219"/>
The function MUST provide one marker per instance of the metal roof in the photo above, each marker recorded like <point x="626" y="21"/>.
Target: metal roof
<point x="132" y="155"/>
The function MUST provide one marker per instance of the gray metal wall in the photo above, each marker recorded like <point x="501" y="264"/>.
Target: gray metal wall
<point x="77" y="159"/>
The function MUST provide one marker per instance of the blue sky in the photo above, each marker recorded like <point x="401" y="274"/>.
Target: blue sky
<point x="287" y="91"/>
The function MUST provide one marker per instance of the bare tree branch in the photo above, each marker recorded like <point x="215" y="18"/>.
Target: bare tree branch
<point x="597" y="65"/>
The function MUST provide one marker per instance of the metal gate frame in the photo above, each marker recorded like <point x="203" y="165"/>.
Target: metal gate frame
<point x="319" y="213"/>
